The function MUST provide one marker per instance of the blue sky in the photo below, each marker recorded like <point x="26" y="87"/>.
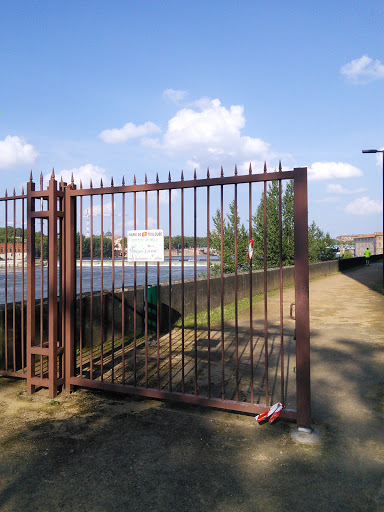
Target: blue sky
<point x="122" y="87"/>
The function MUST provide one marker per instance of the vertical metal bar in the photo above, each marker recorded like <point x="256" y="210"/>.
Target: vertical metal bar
<point x="70" y="283"/>
<point x="281" y="291"/>
<point x="222" y="290"/>
<point x="6" y="287"/>
<point x="14" y="284"/>
<point x="42" y="278"/>
<point x="208" y="296"/>
<point x="158" y="297"/>
<point x="113" y="287"/>
<point x="170" y="285"/>
<point x="182" y="296"/>
<point x="236" y="305"/>
<point x="22" y="285"/>
<point x="31" y="287"/>
<point x="101" y="287"/>
<point x="194" y="282"/>
<point x="303" y="383"/>
<point x="250" y="290"/>
<point x="146" y="296"/>
<point x="134" y="297"/>
<point x="81" y="288"/>
<point x="122" y="286"/>
<point x="265" y="295"/>
<point x="91" y="297"/>
<point x="52" y="287"/>
<point x="61" y="319"/>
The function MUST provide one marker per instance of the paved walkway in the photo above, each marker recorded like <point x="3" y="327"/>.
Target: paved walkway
<point x="102" y="453"/>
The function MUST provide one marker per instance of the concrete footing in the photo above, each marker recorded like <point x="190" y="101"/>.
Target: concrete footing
<point x="306" y="435"/>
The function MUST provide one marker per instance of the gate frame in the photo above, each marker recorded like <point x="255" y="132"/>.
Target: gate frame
<point x="67" y="197"/>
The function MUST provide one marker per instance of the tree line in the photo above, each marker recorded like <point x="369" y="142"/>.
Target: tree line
<point x="318" y="241"/>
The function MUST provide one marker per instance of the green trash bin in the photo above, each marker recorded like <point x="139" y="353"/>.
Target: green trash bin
<point x="152" y="307"/>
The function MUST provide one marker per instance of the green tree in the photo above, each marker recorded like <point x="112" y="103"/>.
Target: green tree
<point x="272" y="225"/>
<point x="107" y="247"/>
<point x="347" y="255"/>
<point x="319" y="244"/>
<point x="228" y="255"/>
<point x="288" y="248"/>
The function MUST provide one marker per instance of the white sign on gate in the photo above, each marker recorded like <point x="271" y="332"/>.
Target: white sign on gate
<point x="146" y="245"/>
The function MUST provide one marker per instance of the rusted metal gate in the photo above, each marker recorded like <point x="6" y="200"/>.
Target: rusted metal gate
<point x="92" y="322"/>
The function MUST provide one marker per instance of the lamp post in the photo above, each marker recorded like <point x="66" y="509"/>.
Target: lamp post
<point x="377" y="151"/>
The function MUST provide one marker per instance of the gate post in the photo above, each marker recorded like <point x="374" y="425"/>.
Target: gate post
<point x="303" y="383"/>
<point x="69" y="257"/>
<point x="52" y="287"/>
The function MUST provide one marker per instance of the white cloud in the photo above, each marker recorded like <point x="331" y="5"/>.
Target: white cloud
<point x="176" y="96"/>
<point x="204" y="134"/>
<point x="129" y="131"/>
<point x="14" y="152"/>
<point x="210" y="134"/>
<point x="333" y="188"/>
<point x="85" y="173"/>
<point x="364" y="206"/>
<point x="332" y="170"/>
<point x="363" y="70"/>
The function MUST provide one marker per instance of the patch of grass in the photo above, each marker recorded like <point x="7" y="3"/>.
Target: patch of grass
<point x="215" y="317"/>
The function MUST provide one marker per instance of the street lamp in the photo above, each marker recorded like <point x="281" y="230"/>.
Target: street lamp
<point x="377" y="151"/>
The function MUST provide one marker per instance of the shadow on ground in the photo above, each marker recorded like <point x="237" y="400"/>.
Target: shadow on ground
<point x="367" y="275"/>
<point x="100" y="452"/>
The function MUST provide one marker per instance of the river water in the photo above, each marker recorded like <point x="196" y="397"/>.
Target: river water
<point x="201" y="269"/>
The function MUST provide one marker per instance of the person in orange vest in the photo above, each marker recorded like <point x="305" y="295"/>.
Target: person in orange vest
<point x="367" y="255"/>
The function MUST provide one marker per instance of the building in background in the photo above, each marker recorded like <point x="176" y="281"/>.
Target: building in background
<point x="9" y="254"/>
<point x="373" y="242"/>
<point x="346" y="238"/>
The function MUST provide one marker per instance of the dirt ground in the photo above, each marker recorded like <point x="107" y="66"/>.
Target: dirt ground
<point x="92" y="451"/>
